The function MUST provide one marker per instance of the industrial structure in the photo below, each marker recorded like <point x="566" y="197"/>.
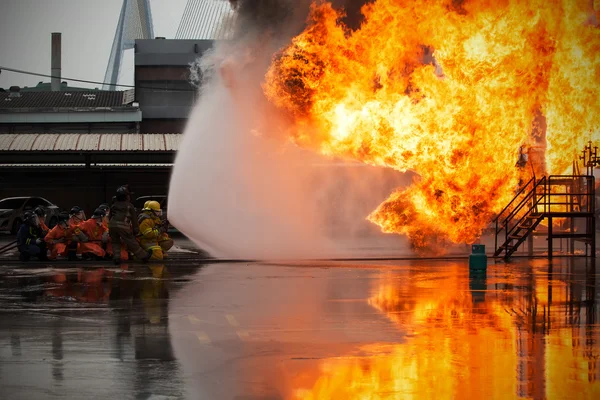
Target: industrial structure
<point x="555" y="207"/>
<point x="162" y="82"/>
<point x="135" y="22"/>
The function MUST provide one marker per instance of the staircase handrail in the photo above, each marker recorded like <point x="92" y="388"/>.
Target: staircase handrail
<point x="529" y="211"/>
<point x="531" y="193"/>
<point x="524" y="201"/>
<point x="514" y="198"/>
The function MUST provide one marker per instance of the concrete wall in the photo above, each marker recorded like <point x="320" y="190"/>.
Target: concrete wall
<point x="85" y="188"/>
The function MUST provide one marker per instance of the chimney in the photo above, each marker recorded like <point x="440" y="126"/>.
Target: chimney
<point x="55" y="61"/>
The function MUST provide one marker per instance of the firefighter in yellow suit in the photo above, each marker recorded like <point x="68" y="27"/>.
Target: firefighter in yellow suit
<point x="153" y="234"/>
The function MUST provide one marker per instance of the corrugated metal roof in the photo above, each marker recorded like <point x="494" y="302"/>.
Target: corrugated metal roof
<point x="66" y="142"/>
<point x="154" y="142"/>
<point x="172" y="142"/>
<point x="206" y="19"/>
<point x="110" y="142"/>
<point x="45" y="142"/>
<point x="88" y="99"/>
<point x="6" y="140"/>
<point x="131" y="142"/>
<point x="90" y="142"/>
<point x="22" y="142"/>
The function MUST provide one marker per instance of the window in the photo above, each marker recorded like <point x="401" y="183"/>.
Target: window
<point x="11" y="204"/>
<point x="36" y="202"/>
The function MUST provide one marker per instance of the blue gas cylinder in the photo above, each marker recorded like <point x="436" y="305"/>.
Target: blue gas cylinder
<point x="477" y="258"/>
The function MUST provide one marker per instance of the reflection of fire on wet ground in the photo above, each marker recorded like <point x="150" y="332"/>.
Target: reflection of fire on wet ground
<point x="491" y="337"/>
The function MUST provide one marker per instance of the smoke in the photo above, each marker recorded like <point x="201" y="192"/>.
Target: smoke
<point x="239" y="188"/>
<point x="279" y="14"/>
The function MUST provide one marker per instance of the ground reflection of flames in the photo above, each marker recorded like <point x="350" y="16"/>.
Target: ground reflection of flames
<point x="465" y="345"/>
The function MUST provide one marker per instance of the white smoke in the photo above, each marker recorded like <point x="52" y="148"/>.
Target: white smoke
<point x="240" y="189"/>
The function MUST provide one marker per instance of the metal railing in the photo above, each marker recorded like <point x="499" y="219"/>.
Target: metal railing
<point x="545" y="198"/>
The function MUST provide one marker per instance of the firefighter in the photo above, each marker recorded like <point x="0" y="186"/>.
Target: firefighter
<point x="107" y="246"/>
<point x="57" y="240"/>
<point x="76" y="216"/>
<point x="94" y="236"/>
<point x="123" y="225"/>
<point x="153" y="232"/>
<point x="41" y="214"/>
<point x="74" y="235"/>
<point x="29" y="239"/>
<point x="106" y="208"/>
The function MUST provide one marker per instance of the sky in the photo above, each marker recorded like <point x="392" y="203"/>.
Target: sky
<point x="88" y="29"/>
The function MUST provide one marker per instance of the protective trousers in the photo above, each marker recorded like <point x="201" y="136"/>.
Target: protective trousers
<point x="123" y="236"/>
<point x="92" y="247"/>
<point x="31" y="250"/>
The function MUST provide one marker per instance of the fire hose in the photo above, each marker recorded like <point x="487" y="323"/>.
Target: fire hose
<point x="8" y="247"/>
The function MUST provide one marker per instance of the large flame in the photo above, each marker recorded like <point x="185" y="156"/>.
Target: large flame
<point x="450" y="90"/>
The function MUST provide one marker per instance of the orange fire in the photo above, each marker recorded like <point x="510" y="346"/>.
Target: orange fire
<point x="450" y="90"/>
<point x="482" y="344"/>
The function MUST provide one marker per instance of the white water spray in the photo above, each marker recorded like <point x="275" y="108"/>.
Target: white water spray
<point x="241" y="190"/>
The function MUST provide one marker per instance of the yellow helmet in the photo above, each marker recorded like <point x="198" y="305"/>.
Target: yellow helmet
<point x="151" y="205"/>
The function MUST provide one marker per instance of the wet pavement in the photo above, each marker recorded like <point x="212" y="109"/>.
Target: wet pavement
<point x="322" y="330"/>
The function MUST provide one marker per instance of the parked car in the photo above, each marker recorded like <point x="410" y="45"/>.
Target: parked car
<point x="12" y="209"/>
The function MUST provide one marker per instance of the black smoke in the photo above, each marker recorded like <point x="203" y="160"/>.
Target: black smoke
<point x="289" y="16"/>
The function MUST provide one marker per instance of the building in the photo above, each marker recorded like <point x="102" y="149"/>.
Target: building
<point x="76" y="147"/>
<point x="91" y="111"/>
<point x="162" y="82"/>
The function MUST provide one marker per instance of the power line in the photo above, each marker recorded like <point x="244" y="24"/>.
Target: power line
<point x="20" y="71"/>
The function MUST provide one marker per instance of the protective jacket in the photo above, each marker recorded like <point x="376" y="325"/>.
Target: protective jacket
<point x="122" y="215"/>
<point x="57" y="241"/>
<point x="95" y="235"/>
<point x="27" y="236"/>
<point x="73" y="232"/>
<point x="149" y="230"/>
<point x="43" y="227"/>
<point x="92" y="231"/>
<point x="150" y="234"/>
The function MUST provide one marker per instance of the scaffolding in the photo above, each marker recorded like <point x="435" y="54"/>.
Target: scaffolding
<point x="565" y="204"/>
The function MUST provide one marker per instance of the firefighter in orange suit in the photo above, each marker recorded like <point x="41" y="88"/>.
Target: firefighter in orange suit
<point x="153" y="234"/>
<point x="76" y="217"/>
<point x="57" y="239"/>
<point x="95" y="234"/>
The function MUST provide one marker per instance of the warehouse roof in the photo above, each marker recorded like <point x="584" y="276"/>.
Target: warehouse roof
<point x="90" y="142"/>
<point x="12" y="101"/>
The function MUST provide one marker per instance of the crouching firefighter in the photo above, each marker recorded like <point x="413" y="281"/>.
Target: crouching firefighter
<point x="123" y="225"/>
<point x="153" y="231"/>
<point x="29" y="239"/>
<point x="58" y="240"/>
<point x="41" y="214"/>
<point x="74" y="235"/>
<point x="95" y="236"/>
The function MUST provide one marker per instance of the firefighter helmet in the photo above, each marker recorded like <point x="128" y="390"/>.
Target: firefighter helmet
<point x="151" y="205"/>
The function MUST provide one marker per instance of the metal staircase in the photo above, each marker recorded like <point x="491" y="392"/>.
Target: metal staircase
<point x="566" y="202"/>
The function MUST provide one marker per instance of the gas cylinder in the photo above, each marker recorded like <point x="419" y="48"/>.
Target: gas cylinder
<point x="477" y="258"/>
